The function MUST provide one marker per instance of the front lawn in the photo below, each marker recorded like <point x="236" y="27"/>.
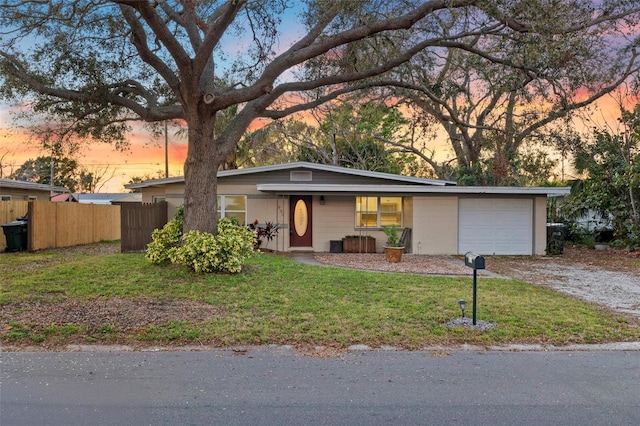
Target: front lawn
<point x="55" y="298"/>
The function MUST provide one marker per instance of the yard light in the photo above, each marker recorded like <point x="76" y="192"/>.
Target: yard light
<point x="463" y="305"/>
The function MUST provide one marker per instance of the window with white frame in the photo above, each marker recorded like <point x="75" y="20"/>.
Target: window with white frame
<point x="375" y="212"/>
<point x="233" y="206"/>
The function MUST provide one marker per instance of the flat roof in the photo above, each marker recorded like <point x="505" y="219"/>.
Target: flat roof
<point x="20" y="184"/>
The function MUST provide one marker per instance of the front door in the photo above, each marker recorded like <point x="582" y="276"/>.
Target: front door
<point x="300" y="221"/>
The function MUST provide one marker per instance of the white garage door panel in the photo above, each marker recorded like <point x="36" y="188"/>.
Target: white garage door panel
<point x="495" y="226"/>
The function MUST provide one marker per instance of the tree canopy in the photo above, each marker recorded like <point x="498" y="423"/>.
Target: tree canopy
<point x="97" y="66"/>
<point x="610" y="162"/>
<point x="67" y="173"/>
<point x="350" y="135"/>
<point x="508" y="90"/>
<point x="40" y="170"/>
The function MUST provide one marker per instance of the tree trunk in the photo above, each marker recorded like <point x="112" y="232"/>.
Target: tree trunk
<point x="200" y="177"/>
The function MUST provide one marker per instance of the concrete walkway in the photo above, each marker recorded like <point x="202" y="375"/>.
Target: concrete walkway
<point x="304" y="257"/>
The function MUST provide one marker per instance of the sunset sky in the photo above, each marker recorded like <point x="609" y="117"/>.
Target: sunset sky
<point x="146" y="156"/>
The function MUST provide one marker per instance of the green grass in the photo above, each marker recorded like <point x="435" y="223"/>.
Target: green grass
<point x="278" y="301"/>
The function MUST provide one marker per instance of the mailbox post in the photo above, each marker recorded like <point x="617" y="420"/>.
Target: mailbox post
<point x="476" y="262"/>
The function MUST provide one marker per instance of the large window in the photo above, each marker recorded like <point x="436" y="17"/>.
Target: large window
<point x="233" y="206"/>
<point x="375" y="212"/>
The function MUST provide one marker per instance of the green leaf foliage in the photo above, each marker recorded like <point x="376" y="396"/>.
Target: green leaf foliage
<point x="201" y="251"/>
<point x="611" y="163"/>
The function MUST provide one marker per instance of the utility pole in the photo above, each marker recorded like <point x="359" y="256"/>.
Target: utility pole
<point x="166" y="151"/>
<point x="51" y="169"/>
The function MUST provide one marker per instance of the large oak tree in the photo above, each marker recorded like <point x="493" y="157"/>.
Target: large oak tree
<point x="97" y="65"/>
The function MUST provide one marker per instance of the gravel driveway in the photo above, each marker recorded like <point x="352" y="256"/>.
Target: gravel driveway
<point x="617" y="290"/>
<point x="609" y="278"/>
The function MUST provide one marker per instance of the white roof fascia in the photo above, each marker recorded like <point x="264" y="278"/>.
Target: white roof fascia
<point x="410" y="189"/>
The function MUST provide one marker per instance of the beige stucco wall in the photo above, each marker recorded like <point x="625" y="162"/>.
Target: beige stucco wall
<point x="17" y="194"/>
<point x="540" y="225"/>
<point x="333" y="220"/>
<point x="148" y="194"/>
<point x="269" y="208"/>
<point x="238" y="190"/>
<point x="435" y="225"/>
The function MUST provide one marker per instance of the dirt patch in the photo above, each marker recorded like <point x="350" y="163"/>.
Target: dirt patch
<point x="120" y="313"/>
<point x="112" y="319"/>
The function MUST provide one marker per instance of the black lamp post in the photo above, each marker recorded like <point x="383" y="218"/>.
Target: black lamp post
<point x="463" y="305"/>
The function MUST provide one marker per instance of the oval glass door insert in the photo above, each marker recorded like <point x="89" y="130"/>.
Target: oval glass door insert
<point x="300" y="218"/>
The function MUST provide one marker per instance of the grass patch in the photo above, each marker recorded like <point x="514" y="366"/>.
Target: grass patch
<point x="278" y="301"/>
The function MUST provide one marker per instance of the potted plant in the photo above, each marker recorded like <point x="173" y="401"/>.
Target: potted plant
<point x="394" y="248"/>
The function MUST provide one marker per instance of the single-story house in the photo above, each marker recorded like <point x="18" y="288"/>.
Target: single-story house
<point x="17" y="190"/>
<point x="315" y="205"/>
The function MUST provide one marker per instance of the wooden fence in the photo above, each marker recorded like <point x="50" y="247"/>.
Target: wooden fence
<point x="10" y="211"/>
<point x="52" y="225"/>
<point x="137" y="222"/>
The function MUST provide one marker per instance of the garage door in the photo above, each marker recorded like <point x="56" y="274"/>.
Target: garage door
<point x="495" y="226"/>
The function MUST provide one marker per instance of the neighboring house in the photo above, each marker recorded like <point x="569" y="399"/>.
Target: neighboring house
<point x="17" y="190"/>
<point x="64" y="198"/>
<point x="316" y="204"/>
<point x="108" y="198"/>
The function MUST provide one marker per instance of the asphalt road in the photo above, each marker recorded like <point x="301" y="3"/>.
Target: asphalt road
<point x="276" y="386"/>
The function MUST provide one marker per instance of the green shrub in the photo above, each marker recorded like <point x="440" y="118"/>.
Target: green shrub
<point x="202" y="252"/>
<point x="225" y="252"/>
<point x="165" y="240"/>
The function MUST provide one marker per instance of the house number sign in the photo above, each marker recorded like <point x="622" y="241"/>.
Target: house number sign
<point x="300" y="218"/>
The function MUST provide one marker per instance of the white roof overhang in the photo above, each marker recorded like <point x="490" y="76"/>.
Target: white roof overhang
<point x="410" y="189"/>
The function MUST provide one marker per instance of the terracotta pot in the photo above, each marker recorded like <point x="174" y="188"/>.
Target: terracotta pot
<point x="393" y="254"/>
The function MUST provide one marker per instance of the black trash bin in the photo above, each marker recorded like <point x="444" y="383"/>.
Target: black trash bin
<point x="335" y="246"/>
<point x="16" y="234"/>
<point x="555" y="238"/>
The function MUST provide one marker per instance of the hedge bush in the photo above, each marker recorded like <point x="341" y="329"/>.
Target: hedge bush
<point x="225" y="252"/>
<point x="165" y="240"/>
<point x="201" y="251"/>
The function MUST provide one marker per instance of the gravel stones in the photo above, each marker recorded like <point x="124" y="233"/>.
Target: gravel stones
<point x="468" y="323"/>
